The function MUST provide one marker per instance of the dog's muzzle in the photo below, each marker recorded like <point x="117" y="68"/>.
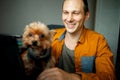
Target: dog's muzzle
<point x="34" y="43"/>
<point x="46" y="56"/>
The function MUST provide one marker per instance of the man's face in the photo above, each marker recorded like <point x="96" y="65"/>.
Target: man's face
<point x="73" y="15"/>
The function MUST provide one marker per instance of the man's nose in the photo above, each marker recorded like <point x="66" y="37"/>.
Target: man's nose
<point x="70" y="17"/>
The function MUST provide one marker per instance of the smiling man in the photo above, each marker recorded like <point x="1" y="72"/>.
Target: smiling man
<point x="81" y="53"/>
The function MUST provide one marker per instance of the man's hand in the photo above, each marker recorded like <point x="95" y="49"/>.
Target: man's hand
<point x="57" y="74"/>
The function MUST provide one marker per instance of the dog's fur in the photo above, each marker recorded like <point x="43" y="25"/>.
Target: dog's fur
<point x="37" y="39"/>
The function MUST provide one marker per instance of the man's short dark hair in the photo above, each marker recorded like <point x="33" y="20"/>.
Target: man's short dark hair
<point x="86" y="9"/>
<point x="85" y="2"/>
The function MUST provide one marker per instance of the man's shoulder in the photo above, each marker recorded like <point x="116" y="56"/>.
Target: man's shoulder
<point x="93" y="33"/>
<point x="58" y="32"/>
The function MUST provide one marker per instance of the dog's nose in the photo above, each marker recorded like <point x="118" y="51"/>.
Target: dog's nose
<point x="34" y="43"/>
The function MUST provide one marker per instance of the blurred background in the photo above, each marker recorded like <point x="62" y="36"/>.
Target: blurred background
<point x="105" y="17"/>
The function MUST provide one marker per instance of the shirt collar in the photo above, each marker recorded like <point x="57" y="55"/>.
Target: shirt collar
<point x="62" y="36"/>
<point x="83" y="34"/>
<point x="82" y="38"/>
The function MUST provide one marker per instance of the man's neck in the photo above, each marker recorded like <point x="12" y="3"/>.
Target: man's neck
<point x="71" y="39"/>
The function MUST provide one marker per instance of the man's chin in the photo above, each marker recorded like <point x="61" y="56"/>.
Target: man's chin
<point x="71" y="31"/>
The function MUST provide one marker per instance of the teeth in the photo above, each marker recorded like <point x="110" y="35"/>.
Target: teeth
<point x="71" y="25"/>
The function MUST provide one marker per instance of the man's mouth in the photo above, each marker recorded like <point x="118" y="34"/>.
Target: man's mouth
<point x="71" y="25"/>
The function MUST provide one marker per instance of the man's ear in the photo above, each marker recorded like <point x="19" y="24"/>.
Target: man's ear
<point x="87" y="16"/>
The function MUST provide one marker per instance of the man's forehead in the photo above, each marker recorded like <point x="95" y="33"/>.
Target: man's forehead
<point x="73" y="5"/>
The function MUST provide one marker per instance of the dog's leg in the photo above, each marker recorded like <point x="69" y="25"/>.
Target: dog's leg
<point x="51" y="63"/>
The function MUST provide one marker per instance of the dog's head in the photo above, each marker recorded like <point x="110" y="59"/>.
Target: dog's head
<point x="37" y="36"/>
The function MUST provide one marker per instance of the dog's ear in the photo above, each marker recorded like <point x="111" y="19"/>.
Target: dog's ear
<point x="25" y="44"/>
<point x="52" y="32"/>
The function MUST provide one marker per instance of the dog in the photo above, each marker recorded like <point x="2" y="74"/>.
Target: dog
<point x="37" y="40"/>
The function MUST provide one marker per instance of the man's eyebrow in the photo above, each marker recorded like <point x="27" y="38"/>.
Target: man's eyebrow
<point x="72" y="10"/>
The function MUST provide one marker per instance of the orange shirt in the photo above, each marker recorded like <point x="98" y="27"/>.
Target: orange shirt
<point x="92" y="56"/>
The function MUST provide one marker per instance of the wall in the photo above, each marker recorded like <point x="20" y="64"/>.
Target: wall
<point x="107" y="22"/>
<point x="92" y="9"/>
<point x="15" y="14"/>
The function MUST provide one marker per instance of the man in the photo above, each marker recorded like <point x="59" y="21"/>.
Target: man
<point x="81" y="54"/>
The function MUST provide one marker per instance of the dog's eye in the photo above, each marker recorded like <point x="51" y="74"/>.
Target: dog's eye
<point x="30" y="34"/>
<point x="41" y="36"/>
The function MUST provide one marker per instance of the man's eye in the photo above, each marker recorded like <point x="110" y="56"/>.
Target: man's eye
<point x="41" y="36"/>
<point x="65" y="12"/>
<point x="76" y="13"/>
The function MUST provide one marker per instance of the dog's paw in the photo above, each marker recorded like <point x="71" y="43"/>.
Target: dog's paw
<point x="51" y="63"/>
<point x="29" y="69"/>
